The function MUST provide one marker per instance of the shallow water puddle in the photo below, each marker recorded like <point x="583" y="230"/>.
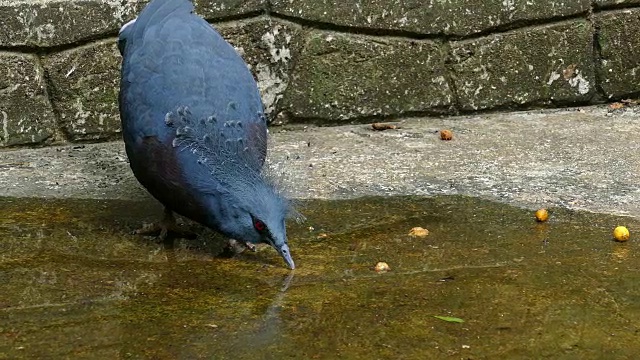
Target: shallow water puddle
<point x="75" y="283"/>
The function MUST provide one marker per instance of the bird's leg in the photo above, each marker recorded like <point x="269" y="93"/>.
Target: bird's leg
<point x="238" y="247"/>
<point x="164" y="227"/>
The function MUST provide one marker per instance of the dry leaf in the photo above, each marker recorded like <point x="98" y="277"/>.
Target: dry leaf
<point x="383" y="126"/>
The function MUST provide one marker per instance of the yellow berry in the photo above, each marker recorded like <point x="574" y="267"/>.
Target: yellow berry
<point x="621" y="233"/>
<point x="446" y="134"/>
<point x="542" y="215"/>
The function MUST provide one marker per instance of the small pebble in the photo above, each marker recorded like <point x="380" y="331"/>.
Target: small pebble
<point x="382" y="267"/>
<point x="418" y="232"/>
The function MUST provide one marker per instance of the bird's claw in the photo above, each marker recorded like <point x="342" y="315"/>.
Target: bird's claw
<point x="165" y="228"/>
<point x="163" y="232"/>
<point x="238" y="247"/>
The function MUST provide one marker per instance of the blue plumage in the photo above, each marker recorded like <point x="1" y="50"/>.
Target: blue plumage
<point x="194" y="126"/>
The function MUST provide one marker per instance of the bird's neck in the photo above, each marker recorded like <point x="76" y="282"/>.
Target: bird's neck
<point x="221" y="211"/>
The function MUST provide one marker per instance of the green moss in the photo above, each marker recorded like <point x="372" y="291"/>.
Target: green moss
<point x="342" y="76"/>
<point x="529" y="66"/>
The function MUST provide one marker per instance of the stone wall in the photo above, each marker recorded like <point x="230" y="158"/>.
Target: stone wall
<point x="328" y="61"/>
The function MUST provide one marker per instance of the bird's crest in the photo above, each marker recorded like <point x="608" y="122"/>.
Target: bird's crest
<point x="231" y="153"/>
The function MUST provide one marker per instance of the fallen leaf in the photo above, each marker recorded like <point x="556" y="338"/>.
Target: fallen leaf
<point x="383" y="126"/>
<point x="616" y="106"/>
<point x="449" y="319"/>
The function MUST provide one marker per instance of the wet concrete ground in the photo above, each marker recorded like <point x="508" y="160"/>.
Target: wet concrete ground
<point x="75" y="284"/>
<point x="583" y="159"/>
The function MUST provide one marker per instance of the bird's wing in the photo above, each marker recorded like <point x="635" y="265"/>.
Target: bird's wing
<point x="174" y="59"/>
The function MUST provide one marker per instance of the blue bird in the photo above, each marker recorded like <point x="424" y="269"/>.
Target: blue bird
<point x="194" y="127"/>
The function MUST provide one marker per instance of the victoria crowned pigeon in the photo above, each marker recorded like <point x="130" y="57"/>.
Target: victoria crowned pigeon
<point x="194" y="126"/>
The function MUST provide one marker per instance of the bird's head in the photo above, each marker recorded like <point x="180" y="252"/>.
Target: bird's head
<point x="251" y="209"/>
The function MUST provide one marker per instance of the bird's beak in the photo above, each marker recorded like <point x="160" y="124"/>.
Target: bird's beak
<point x="283" y="250"/>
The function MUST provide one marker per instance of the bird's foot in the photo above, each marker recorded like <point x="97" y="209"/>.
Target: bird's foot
<point x="165" y="228"/>
<point x="163" y="231"/>
<point x="238" y="247"/>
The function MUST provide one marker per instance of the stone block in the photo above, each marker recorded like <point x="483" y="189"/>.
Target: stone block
<point x="84" y="89"/>
<point x="270" y="48"/>
<point x="26" y="116"/>
<point x="461" y="17"/>
<point x="340" y="76"/>
<point x="551" y="64"/>
<point x="606" y="3"/>
<point x="216" y="9"/>
<point x="58" y="22"/>
<point x="619" y="67"/>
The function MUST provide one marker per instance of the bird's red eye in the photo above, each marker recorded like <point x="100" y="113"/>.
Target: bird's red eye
<point x="259" y="225"/>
